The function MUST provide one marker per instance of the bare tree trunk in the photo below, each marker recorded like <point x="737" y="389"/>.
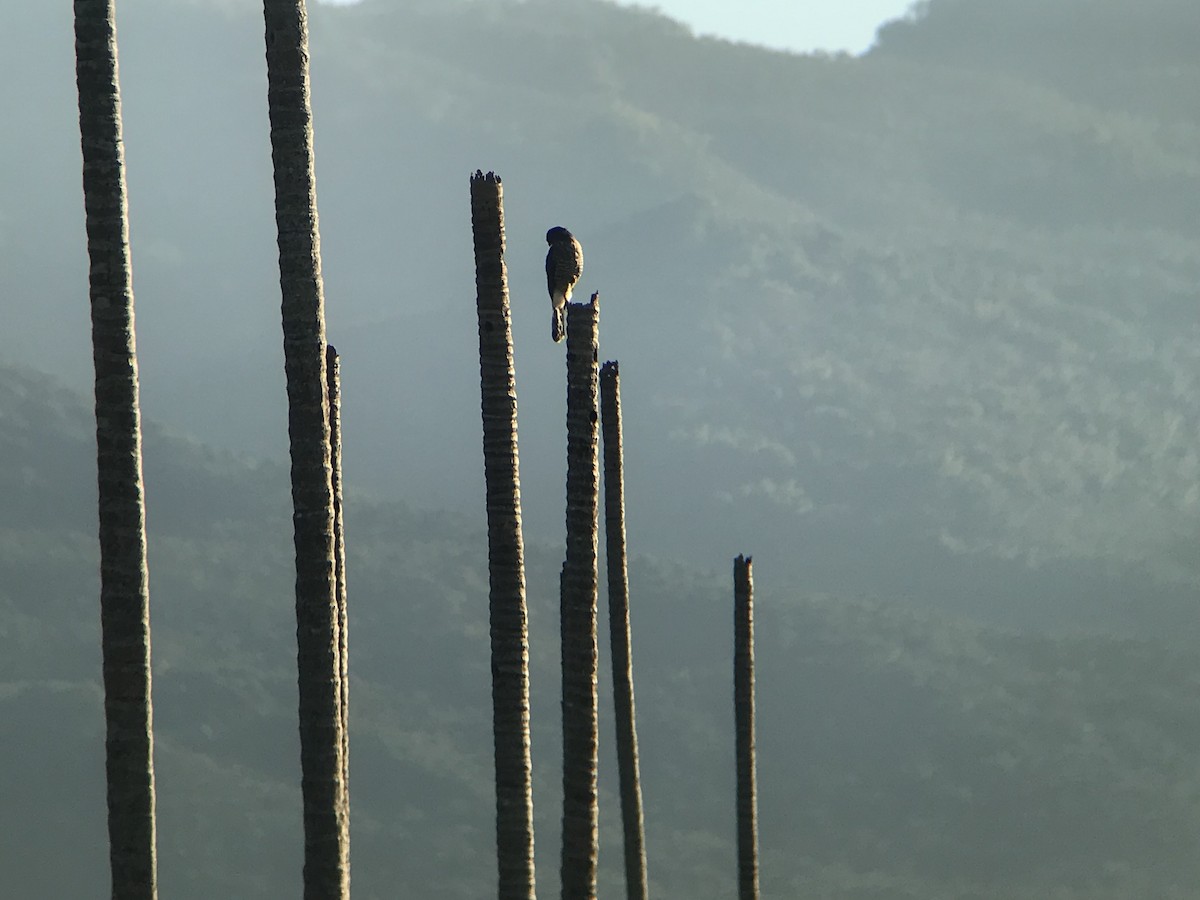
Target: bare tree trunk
<point x="743" y="704"/>
<point x="506" y="549"/>
<point x="124" y="580"/>
<point x="579" y="593"/>
<point x="618" y="625"/>
<point x="334" y="392"/>
<point x="326" y="820"/>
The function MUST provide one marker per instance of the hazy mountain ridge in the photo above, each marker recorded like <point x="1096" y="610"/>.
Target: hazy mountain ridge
<point x="929" y="307"/>
<point x="1118" y="55"/>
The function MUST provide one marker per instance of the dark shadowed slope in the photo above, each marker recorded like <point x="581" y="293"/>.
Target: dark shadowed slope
<point x="899" y="755"/>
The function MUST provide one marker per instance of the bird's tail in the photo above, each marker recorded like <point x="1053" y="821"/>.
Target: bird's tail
<point x="558" y="323"/>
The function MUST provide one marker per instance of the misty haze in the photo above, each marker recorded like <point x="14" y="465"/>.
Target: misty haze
<point x="918" y="329"/>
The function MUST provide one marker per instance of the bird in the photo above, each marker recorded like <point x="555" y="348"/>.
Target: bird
<point x="564" y="265"/>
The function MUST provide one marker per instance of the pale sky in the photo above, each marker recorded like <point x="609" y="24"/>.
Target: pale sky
<point x="799" y="25"/>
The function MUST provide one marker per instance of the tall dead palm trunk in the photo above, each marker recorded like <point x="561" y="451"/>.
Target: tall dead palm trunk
<point x="326" y="819"/>
<point x="334" y="393"/>
<point x="506" y="549"/>
<point x="618" y="626"/>
<point x="124" y="589"/>
<point x="743" y="704"/>
<point x="578" y="606"/>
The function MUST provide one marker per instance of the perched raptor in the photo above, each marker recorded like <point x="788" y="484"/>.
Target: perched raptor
<point x="564" y="264"/>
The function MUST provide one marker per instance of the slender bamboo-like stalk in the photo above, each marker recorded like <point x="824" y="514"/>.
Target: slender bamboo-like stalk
<point x="326" y="819"/>
<point x="579" y="587"/>
<point x="743" y="704"/>
<point x="333" y="377"/>
<point x="506" y="548"/>
<point x="618" y="625"/>
<point x="124" y="579"/>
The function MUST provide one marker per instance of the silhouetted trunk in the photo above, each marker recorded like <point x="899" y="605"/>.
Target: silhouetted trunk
<point x="506" y="549"/>
<point x="334" y="395"/>
<point x="743" y="704"/>
<point x="578" y="592"/>
<point x="326" y="822"/>
<point x="618" y="626"/>
<point x="124" y="588"/>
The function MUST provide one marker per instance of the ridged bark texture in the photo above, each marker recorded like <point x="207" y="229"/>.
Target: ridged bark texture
<point x="124" y="581"/>
<point x="506" y="549"/>
<point x="326" y="820"/>
<point x="618" y="625"/>
<point x="743" y="705"/>
<point x="333" y="378"/>
<point x="579" y="586"/>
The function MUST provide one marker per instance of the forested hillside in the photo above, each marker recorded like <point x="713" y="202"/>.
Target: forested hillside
<point x="917" y="329"/>
<point x="900" y="755"/>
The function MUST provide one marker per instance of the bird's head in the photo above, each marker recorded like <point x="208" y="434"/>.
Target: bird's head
<point x="558" y="233"/>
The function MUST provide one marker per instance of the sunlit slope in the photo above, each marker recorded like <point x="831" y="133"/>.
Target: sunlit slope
<point x="918" y="323"/>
